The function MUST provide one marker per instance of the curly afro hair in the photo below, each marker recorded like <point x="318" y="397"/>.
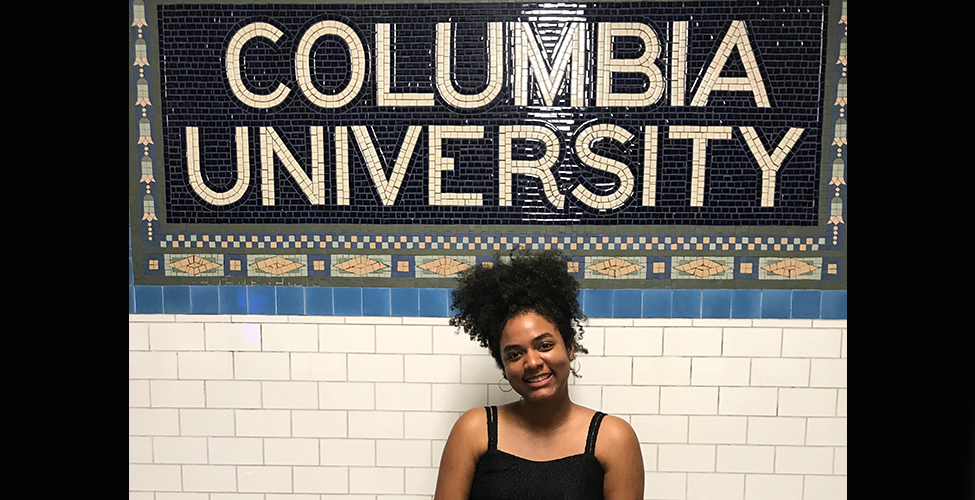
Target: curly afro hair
<point x="487" y="297"/>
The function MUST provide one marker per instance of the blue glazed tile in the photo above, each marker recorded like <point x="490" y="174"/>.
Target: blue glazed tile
<point x="131" y="299"/>
<point x="687" y="303"/>
<point x="148" y="299"/>
<point x="205" y="300"/>
<point x="290" y="300"/>
<point x="375" y="301"/>
<point x="404" y="302"/>
<point x="131" y="277"/>
<point x="260" y="300"/>
<point x="434" y="302"/>
<point x="834" y="304"/>
<point x="176" y="300"/>
<point x="658" y="303"/>
<point x="348" y="301"/>
<point x="777" y="304"/>
<point x="318" y="300"/>
<point x="627" y="303"/>
<point x="451" y="311"/>
<point x="599" y="303"/>
<point x="746" y="304"/>
<point x="233" y="299"/>
<point x="716" y="304"/>
<point x="581" y="298"/>
<point x="806" y="303"/>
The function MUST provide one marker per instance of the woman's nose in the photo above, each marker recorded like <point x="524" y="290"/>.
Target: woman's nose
<point x="532" y="359"/>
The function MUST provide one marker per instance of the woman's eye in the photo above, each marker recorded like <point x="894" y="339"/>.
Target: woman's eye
<point x="546" y="346"/>
<point x="512" y="355"/>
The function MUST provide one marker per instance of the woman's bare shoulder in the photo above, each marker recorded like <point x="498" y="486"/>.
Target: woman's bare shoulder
<point x="615" y="430"/>
<point x="471" y="430"/>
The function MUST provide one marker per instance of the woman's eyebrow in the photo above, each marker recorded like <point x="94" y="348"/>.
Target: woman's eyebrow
<point x="536" y="339"/>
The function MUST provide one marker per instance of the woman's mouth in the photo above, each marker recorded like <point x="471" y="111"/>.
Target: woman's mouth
<point x="538" y="380"/>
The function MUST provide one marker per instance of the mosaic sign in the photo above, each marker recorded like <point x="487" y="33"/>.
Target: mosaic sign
<point x="598" y="128"/>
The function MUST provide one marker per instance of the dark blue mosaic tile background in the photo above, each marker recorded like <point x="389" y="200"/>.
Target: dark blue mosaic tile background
<point x="787" y="39"/>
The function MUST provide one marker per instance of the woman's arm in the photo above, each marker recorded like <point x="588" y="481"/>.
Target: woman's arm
<point x="618" y="450"/>
<point x="465" y="445"/>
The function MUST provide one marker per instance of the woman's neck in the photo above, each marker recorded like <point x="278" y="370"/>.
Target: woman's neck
<point x="545" y="415"/>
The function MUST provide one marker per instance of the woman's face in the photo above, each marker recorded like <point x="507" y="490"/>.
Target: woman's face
<point x="536" y="361"/>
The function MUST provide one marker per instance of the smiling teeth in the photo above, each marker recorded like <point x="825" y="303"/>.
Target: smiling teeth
<point x="538" y="378"/>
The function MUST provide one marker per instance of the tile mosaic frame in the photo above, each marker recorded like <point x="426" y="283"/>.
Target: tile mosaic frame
<point x="755" y="248"/>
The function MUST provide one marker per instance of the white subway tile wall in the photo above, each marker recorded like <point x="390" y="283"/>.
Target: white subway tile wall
<point x="327" y="408"/>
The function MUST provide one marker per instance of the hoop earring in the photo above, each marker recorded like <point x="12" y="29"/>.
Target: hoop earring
<point x="502" y="388"/>
<point x="575" y="369"/>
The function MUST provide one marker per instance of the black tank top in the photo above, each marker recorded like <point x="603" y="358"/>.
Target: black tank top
<point x="500" y="475"/>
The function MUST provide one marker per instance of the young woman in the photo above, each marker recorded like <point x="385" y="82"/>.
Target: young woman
<point x="526" y="312"/>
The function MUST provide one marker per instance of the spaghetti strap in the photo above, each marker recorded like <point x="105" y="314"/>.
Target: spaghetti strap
<point x="492" y="426"/>
<point x="597" y="419"/>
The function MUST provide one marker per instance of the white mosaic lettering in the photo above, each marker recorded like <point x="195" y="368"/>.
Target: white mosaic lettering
<point x="357" y="63"/>
<point x="539" y="167"/>
<point x="737" y="37"/>
<point x="583" y="149"/>
<point x="439" y="163"/>
<point x="312" y="186"/>
<point x="445" y="83"/>
<point x="341" y="165"/>
<point x="549" y="78"/>
<point x="700" y="136"/>
<point x="770" y="163"/>
<point x="244" y="35"/>
<point x="196" y="175"/>
<point x="606" y="65"/>
<point x="678" y="63"/>
<point x="384" y="96"/>
<point x="650" y="166"/>
<point x="388" y="188"/>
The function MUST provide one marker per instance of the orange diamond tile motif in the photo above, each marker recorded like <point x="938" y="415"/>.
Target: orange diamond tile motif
<point x="403" y="266"/>
<point x="444" y="266"/>
<point x="360" y="265"/>
<point x="615" y="267"/>
<point x="659" y="267"/>
<point x="319" y="265"/>
<point x="790" y="268"/>
<point x="153" y="264"/>
<point x="235" y="265"/>
<point x="702" y="268"/>
<point x="746" y="268"/>
<point x="194" y="264"/>
<point x="277" y="265"/>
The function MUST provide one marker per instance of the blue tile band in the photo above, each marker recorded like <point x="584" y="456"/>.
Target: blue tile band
<point x="435" y="302"/>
